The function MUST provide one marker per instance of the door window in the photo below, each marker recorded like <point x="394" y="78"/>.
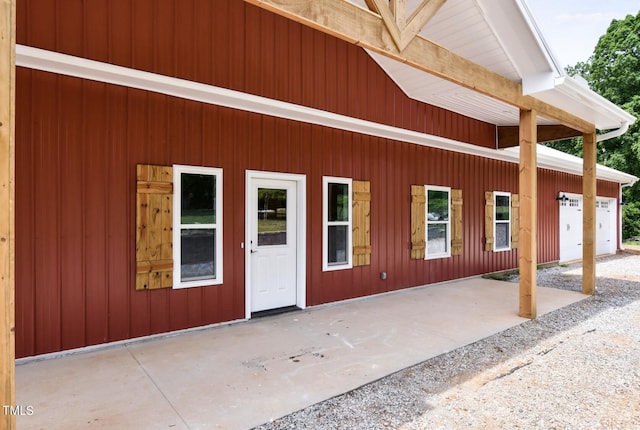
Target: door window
<point x="272" y="216"/>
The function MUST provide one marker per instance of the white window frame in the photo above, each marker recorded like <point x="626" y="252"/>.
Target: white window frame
<point x="326" y="266"/>
<point x="496" y="221"/>
<point x="177" y="226"/>
<point x="427" y="222"/>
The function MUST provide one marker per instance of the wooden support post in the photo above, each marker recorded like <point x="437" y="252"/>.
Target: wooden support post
<point x="589" y="191"/>
<point x="7" y="217"/>
<point x="528" y="190"/>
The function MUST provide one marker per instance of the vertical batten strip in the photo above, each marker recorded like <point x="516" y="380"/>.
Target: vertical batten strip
<point x="456" y="222"/>
<point x="154" y="206"/>
<point x="418" y="221"/>
<point x="528" y="197"/>
<point x="361" y="223"/>
<point x="489" y="209"/>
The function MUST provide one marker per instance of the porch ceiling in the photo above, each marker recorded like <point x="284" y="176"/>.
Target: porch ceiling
<point x="501" y="36"/>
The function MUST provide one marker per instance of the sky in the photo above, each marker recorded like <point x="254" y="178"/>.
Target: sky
<point x="572" y="27"/>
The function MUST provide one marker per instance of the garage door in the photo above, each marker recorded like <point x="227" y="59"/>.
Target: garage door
<point x="571" y="227"/>
<point x="605" y="237"/>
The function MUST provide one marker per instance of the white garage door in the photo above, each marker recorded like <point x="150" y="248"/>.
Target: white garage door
<point x="605" y="227"/>
<point x="571" y="227"/>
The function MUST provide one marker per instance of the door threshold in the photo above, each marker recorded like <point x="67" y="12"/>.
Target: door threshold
<point x="276" y="311"/>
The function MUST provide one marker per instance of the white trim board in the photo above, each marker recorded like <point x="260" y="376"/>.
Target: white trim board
<point x="83" y="68"/>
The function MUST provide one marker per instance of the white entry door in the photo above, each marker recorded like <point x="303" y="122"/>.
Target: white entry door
<point x="272" y="243"/>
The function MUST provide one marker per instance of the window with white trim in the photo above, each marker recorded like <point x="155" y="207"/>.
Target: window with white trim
<point x="336" y="223"/>
<point x="438" y="221"/>
<point x="197" y="226"/>
<point x="502" y="221"/>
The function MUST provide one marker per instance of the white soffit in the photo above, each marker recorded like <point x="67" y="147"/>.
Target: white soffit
<point x="517" y="35"/>
<point x="447" y="95"/>
<point x="491" y="33"/>
<point x="502" y="36"/>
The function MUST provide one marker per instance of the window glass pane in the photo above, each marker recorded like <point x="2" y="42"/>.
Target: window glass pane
<point x="198" y="199"/>
<point x="502" y="208"/>
<point x="197" y="254"/>
<point x="437" y="239"/>
<point x="337" y="246"/>
<point x="272" y="216"/>
<point x="338" y="202"/>
<point x="502" y="235"/>
<point x="438" y="205"/>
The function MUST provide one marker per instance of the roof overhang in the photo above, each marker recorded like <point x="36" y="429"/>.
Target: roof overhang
<point x="573" y="96"/>
<point x="54" y="62"/>
<point x="552" y="159"/>
<point x="502" y="36"/>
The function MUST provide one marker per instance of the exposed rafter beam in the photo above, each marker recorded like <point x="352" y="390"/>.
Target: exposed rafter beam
<point x="364" y="28"/>
<point x="394" y="15"/>
<point x="422" y="15"/>
<point x="508" y="136"/>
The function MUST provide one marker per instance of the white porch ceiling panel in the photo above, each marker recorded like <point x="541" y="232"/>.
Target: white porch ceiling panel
<point x="466" y="28"/>
<point x="501" y="36"/>
<point x="438" y="92"/>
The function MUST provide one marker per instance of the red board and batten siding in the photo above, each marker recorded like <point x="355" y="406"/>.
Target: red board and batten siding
<point x="231" y="44"/>
<point x="78" y="143"/>
<point x="75" y="226"/>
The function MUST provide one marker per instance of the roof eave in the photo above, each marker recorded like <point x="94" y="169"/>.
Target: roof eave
<point x="572" y="96"/>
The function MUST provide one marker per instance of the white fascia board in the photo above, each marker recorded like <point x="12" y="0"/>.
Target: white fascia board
<point x="578" y="99"/>
<point x="552" y="61"/>
<point x="581" y="93"/>
<point x="83" y="68"/>
<point x="552" y="159"/>
<point x="537" y="83"/>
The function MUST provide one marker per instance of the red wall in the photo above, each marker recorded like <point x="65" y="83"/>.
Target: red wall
<point x="78" y="143"/>
<point x="232" y="44"/>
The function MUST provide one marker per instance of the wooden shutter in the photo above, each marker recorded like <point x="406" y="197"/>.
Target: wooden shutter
<point x="456" y="222"/>
<point x="154" y="227"/>
<point x="418" y="202"/>
<point x="515" y="221"/>
<point x="488" y="220"/>
<point x="361" y="223"/>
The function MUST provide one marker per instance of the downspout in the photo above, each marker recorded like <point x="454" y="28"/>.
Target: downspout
<point x="615" y="133"/>
<point x="610" y="135"/>
<point x="620" y="212"/>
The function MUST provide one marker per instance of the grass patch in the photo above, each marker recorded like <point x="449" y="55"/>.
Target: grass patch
<point x="506" y="274"/>
<point x="632" y="243"/>
<point x="271" y="225"/>
<point x="197" y="216"/>
<point x="501" y="276"/>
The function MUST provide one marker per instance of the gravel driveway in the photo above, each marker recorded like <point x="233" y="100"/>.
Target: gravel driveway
<point x="575" y="368"/>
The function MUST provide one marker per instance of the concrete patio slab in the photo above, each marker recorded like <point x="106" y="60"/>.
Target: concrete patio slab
<point x="241" y="375"/>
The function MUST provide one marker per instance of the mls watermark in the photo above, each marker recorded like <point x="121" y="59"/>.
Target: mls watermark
<point x="18" y="410"/>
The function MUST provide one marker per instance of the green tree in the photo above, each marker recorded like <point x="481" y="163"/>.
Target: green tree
<point x="613" y="71"/>
<point x="613" y="68"/>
